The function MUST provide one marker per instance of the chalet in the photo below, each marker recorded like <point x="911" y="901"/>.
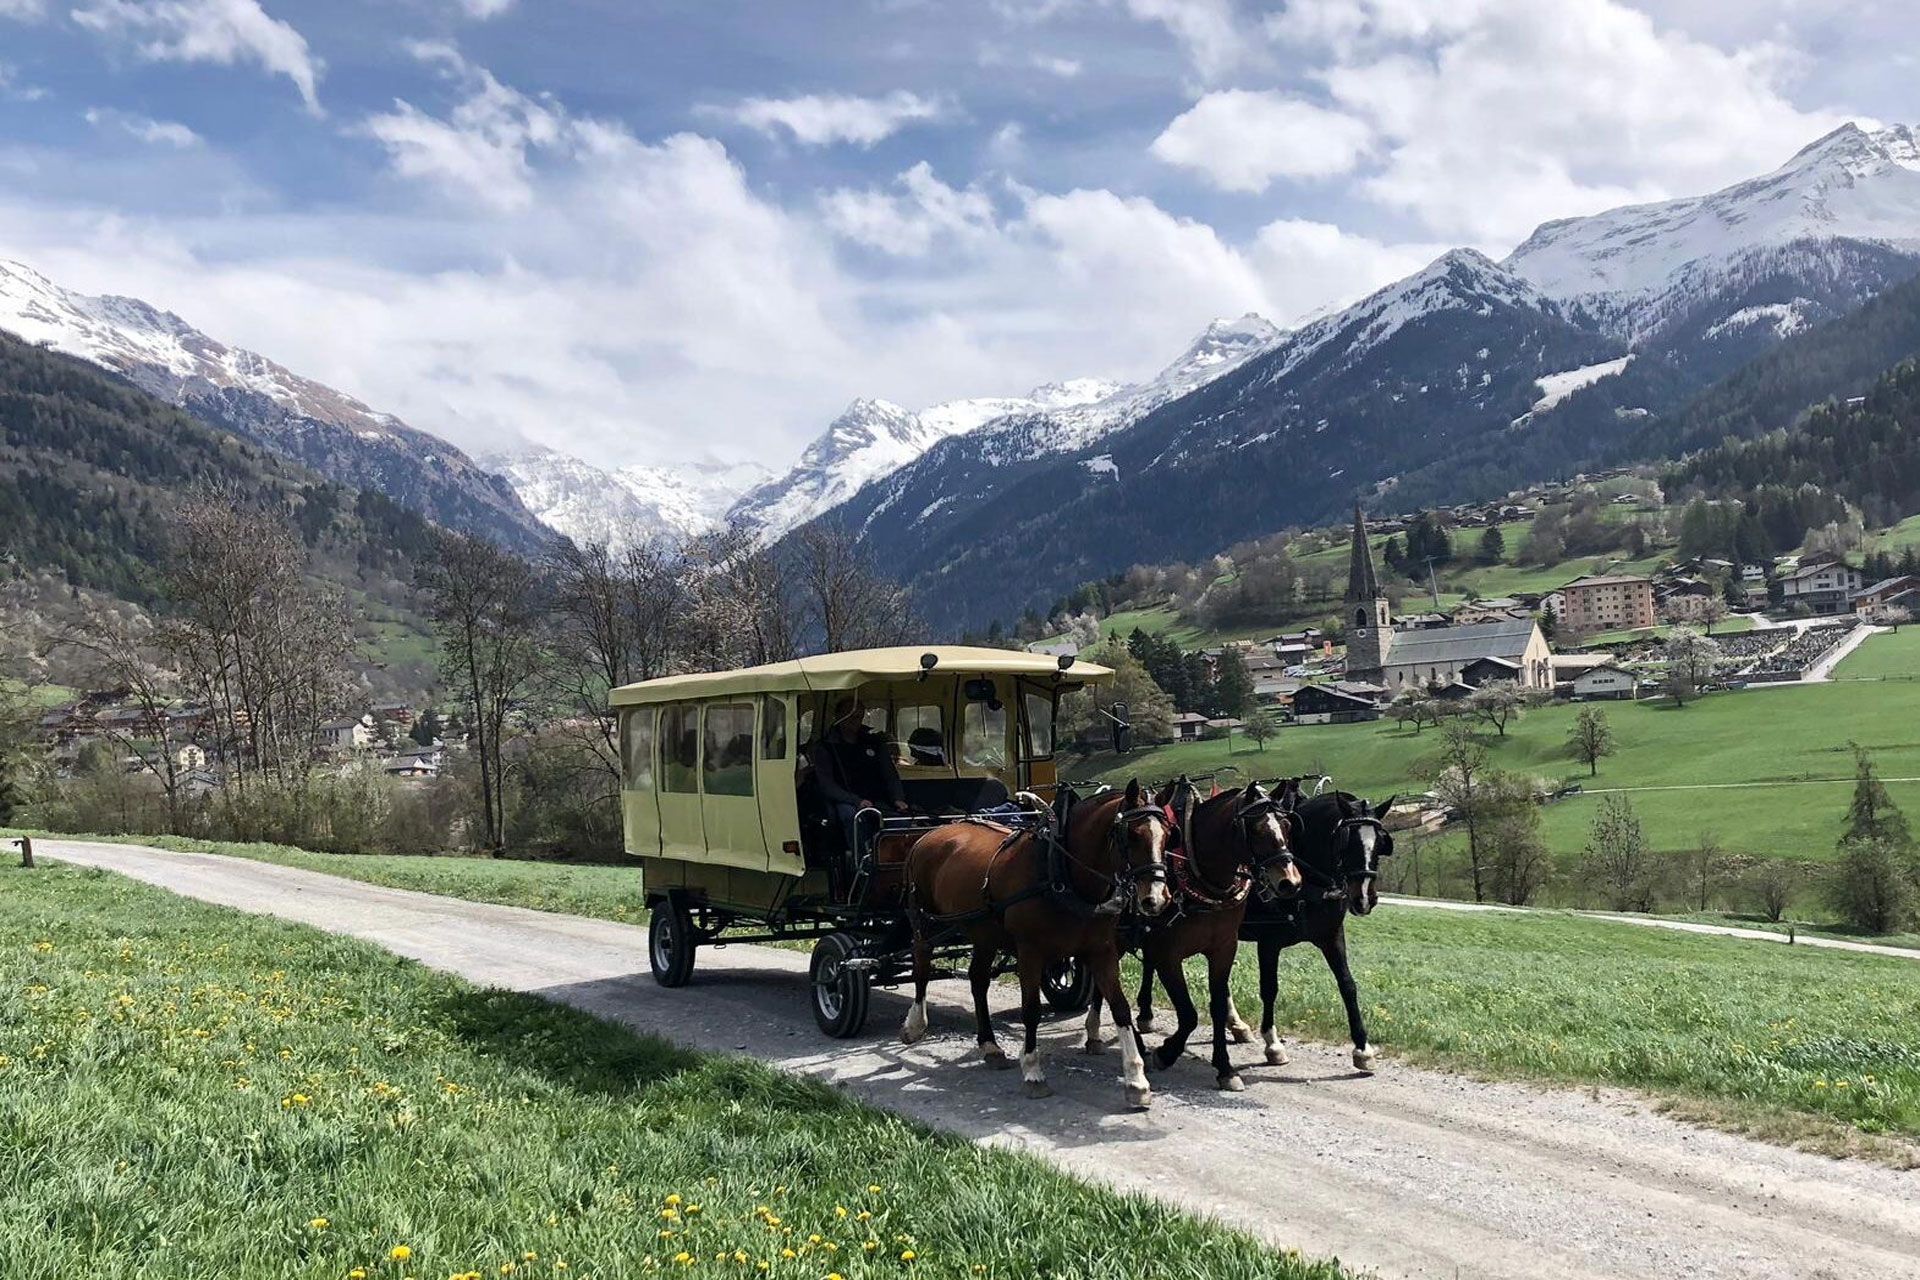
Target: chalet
<point x="1886" y="593"/>
<point x="1325" y="704"/>
<point x="1362" y="689"/>
<point x="1188" y="726"/>
<point x="1823" y="582"/>
<point x="393" y="713"/>
<point x="347" y="735"/>
<point x="1605" y="681"/>
<point x="412" y="765"/>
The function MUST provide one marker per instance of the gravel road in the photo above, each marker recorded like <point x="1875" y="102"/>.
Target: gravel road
<point x="1407" y="1173"/>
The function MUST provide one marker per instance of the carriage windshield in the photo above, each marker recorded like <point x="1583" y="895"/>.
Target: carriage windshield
<point x="1039" y="725"/>
<point x="920" y="734"/>
<point x="983" y="736"/>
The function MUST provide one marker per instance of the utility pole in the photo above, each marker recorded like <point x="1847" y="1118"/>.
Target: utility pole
<point x="1432" y="585"/>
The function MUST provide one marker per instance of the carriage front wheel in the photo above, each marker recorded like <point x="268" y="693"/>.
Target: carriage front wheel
<point x="840" y="991"/>
<point x="1068" y="986"/>
<point x="670" y="944"/>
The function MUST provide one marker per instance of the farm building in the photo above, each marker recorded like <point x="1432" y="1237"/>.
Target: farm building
<point x="1605" y="682"/>
<point x="1324" y="704"/>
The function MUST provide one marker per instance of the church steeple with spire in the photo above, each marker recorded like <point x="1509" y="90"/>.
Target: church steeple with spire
<point x="1369" y="619"/>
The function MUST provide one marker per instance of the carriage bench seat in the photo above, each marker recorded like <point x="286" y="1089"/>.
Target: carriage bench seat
<point x="955" y="795"/>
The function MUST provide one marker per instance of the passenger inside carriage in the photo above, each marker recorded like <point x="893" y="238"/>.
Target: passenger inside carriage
<point x="853" y="769"/>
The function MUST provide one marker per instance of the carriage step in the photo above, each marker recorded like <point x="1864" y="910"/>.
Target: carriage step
<point x="860" y="964"/>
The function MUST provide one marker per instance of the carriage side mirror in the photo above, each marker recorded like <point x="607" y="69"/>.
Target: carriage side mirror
<point x="1122" y="729"/>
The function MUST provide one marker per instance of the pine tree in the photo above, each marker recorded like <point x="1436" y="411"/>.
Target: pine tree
<point x="1233" y="684"/>
<point x="1873" y="814"/>
<point x="1493" y="545"/>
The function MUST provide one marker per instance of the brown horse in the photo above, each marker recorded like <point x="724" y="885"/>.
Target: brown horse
<point x="1046" y="899"/>
<point x="1234" y="846"/>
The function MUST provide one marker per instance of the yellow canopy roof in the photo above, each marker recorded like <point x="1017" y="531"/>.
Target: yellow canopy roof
<point x="857" y="667"/>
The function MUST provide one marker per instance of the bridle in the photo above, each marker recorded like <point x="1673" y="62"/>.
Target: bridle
<point x="1128" y="875"/>
<point x="1354" y="863"/>
<point x="1190" y="883"/>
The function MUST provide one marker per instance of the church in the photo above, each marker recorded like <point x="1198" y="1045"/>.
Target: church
<point x="1509" y="649"/>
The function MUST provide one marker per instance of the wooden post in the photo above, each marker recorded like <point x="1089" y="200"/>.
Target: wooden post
<point x="26" y="851"/>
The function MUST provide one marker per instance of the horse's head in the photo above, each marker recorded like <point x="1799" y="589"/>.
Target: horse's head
<point x="1364" y="840"/>
<point x="1261" y="820"/>
<point x="1140" y="835"/>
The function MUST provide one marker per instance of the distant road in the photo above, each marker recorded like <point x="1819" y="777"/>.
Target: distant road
<point x="1408" y="1173"/>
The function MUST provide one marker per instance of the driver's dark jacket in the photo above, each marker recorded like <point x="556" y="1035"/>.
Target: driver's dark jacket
<point x="849" y="772"/>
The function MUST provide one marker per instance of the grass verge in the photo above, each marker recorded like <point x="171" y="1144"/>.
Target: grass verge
<point x="189" y="1091"/>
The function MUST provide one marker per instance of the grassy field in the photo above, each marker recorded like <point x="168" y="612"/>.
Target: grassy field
<point x="1898" y="538"/>
<point x="1755" y="1034"/>
<point x="190" y="1092"/>
<point x="1888" y="655"/>
<point x="1774" y="739"/>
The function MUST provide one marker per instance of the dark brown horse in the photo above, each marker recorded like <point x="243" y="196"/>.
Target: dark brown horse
<point x="1234" y="847"/>
<point x="1046" y="897"/>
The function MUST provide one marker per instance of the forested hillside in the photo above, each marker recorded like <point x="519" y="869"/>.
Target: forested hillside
<point x="89" y="465"/>
<point x="1865" y="449"/>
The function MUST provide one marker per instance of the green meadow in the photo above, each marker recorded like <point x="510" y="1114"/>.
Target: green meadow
<point x="186" y="1091"/>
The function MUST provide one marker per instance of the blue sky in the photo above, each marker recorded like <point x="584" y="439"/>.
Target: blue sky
<point x="669" y="230"/>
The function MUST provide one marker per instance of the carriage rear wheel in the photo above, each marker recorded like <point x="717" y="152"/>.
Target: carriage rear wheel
<point x="1068" y="986"/>
<point x="840" y="992"/>
<point x="670" y="944"/>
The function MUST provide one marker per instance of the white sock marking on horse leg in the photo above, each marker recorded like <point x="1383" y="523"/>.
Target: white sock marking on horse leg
<point x="1034" y="1075"/>
<point x="1276" y="1052"/>
<point x="1236" y="1025"/>
<point x="1363" y="1056"/>
<point x="916" y="1024"/>
<point x="1133" y="1069"/>
<point x="1094" y="1043"/>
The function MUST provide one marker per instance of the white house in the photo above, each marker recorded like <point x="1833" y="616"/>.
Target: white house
<point x="1823" y="582"/>
<point x="1605" y="682"/>
<point x="347" y="735"/>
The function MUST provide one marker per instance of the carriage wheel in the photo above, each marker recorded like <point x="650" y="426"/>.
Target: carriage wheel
<point x="670" y="944"/>
<point x="1068" y="986"/>
<point x="840" y="993"/>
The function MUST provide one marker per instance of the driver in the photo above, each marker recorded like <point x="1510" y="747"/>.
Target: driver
<point x="853" y="766"/>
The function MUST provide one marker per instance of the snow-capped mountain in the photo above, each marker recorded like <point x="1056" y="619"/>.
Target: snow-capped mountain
<point x="246" y="393"/>
<point x="620" y="507"/>
<point x="1636" y="270"/>
<point x="875" y="438"/>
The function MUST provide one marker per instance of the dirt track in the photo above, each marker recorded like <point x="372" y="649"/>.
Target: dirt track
<point x="1410" y="1172"/>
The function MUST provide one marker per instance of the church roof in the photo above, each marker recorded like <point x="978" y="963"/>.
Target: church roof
<point x="1362" y="583"/>
<point x="1449" y="646"/>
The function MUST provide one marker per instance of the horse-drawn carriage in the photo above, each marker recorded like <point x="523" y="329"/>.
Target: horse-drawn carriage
<point x="737" y="843"/>
<point x="979" y="855"/>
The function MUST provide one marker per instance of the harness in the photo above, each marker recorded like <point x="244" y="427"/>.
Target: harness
<point x="1056" y="883"/>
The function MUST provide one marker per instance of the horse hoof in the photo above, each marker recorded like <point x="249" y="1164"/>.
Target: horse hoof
<point x="996" y="1061"/>
<point x="1363" y="1060"/>
<point x="1039" y="1089"/>
<point x="1231" y="1084"/>
<point x="1139" y="1098"/>
<point x="1241" y="1034"/>
<point x="1094" y="1047"/>
<point x="1161" y="1059"/>
<point x="1277" y="1057"/>
<point x="1144" y="1022"/>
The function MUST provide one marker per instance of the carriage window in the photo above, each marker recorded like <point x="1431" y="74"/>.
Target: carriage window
<point x="773" y="730"/>
<point x="680" y="749"/>
<point x="639" y="749"/>
<point x="983" y="736"/>
<point x="1039" y="725"/>
<point x="922" y="734"/>
<point x="806" y="725"/>
<point x="727" y="766"/>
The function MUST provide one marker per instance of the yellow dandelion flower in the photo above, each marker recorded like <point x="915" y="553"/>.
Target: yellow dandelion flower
<point x="560" y="1266"/>
<point x="871" y="1245"/>
<point x="684" y="1258"/>
<point x="873" y="1189"/>
<point x="671" y="1215"/>
<point x="863" y="1216"/>
<point x="739" y="1255"/>
<point x="529" y="1256"/>
<point x="319" y="1224"/>
<point x="358" y="1273"/>
<point x="399" y="1253"/>
<point x="813" y="1239"/>
<point x="673" y="1200"/>
<point x="839" y="1211"/>
<point x="506" y="1268"/>
<point x="788" y="1254"/>
<point x="907" y="1255"/>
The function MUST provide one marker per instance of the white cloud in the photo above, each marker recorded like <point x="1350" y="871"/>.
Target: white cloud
<point x="1206" y="29"/>
<point x="1065" y="68"/>
<point x="217" y="31"/>
<point x="160" y="132"/>
<point x="485" y="9"/>
<point x="483" y="147"/>
<point x="1241" y="140"/>
<point x="818" y="119"/>
<point x="10" y="86"/>
<point x="911" y="221"/>
<point x="1495" y="115"/>
<point x="23" y="10"/>
<point x="1312" y="266"/>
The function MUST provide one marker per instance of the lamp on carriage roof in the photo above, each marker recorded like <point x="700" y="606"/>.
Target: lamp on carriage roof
<point x="928" y="661"/>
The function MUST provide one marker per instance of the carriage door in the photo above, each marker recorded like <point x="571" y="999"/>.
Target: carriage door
<point x="1037" y="772"/>
<point x="639" y="802"/>
<point x="728" y="808"/>
<point x="682" y="833"/>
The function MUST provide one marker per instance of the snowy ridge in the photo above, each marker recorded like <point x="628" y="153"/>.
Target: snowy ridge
<point x="1625" y="265"/>
<point x="619" y="509"/>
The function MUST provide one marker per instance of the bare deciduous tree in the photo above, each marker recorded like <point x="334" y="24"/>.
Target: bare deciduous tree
<point x="1591" y="738"/>
<point x="1691" y="659"/>
<point x="1460" y="782"/>
<point x="847" y="600"/>
<point x="485" y="612"/>
<point x="120" y="653"/>
<point x="1617" y="862"/>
